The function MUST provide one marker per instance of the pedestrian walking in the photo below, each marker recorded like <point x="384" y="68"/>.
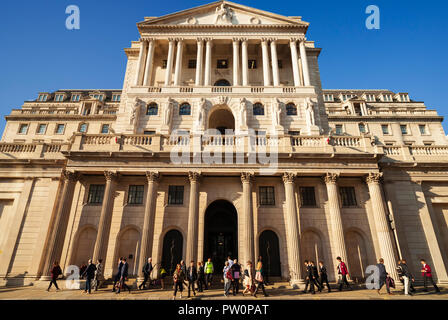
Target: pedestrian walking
<point x="400" y="275"/>
<point x="178" y="279"/>
<point x="308" y="277"/>
<point x="209" y="273"/>
<point x="229" y="259"/>
<point x="118" y="274"/>
<point x="383" y="275"/>
<point x="147" y="269"/>
<point x="323" y="276"/>
<point x="201" y="277"/>
<point x="89" y="274"/>
<point x="227" y="274"/>
<point x="315" y="276"/>
<point x="407" y="277"/>
<point x="248" y="280"/>
<point x="343" y="273"/>
<point x="98" y="278"/>
<point x="236" y="275"/>
<point x="192" y="276"/>
<point x="124" y="277"/>
<point x="427" y="276"/>
<point x="163" y="275"/>
<point x="55" y="272"/>
<point x="259" y="280"/>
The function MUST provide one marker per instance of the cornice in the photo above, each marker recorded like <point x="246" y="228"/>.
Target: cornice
<point x="44" y="117"/>
<point x="392" y="117"/>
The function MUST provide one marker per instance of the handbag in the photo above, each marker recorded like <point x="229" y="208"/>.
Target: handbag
<point x="258" y="276"/>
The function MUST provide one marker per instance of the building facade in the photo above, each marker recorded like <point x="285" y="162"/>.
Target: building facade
<point x="223" y="142"/>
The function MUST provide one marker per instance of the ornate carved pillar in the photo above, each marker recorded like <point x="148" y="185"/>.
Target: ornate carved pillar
<point x="274" y="62"/>
<point x="236" y="62"/>
<point x="245" y="62"/>
<point x="141" y="63"/>
<point x="193" y="217"/>
<point x="148" y="222"/>
<point x="208" y="62"/>
<point x="292" y="231"/>
<point x="56" y="241"/>
<point x="169" y="62"/>
<point x="295" y="62"/>
<point x="266" y="69"/>
<point x="382" y="224"/>
<point x="336" y="227"/>
<point x="149" y="63"/>
<point x="303" y="56"/>
<point x="248" y="224"/>
<point x="178" y="69"/>
<point x="199" y="62"/>
<point x="105" y="217"/>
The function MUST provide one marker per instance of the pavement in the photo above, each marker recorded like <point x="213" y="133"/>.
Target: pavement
<point x="277" y="291"/>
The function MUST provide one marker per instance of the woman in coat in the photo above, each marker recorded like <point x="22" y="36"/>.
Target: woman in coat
<point x="55" y="272"/>
<point x="248" y="279"/>
<point x="178" y="279"/>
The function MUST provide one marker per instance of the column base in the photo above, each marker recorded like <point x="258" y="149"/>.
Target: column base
<point x="297" y="283"/>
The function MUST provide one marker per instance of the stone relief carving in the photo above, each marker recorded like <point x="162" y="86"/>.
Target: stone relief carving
<point x="223" y="15"/>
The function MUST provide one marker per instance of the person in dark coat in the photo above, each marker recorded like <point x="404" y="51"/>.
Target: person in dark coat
<point x="89" y="274"/>
<point x="309" y="277"/>
<point x="323" y="276"/>
<point x="55" y="272"/>
<point x="183" y="266"/>
<point x="118" y="275"/>
<point x="315" y="274"/>
<point x="407" y="276"/>
<point x="201" y="277"/>
<point x="147" y="268"/>
<point x="236" y="274"/>
<point x="192" y="276"/>
<point x="383" y="276"/>
<point x="124" y="277"/>
<point x="427" y="276"/>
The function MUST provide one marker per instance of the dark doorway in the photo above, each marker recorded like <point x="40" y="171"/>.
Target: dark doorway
<point x="270" y="252"/>
<point x="222" y="83"/>
<point x="220" y="233"/>
<point x="172" y="250"/>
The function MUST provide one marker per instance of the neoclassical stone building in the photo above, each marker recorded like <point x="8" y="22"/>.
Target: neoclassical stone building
<point x="290" y="172"/>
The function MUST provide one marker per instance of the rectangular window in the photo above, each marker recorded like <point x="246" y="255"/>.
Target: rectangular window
<point x="105" y="128"/>
<point x="164" y="64"/>
<point x="59" y="97"/>
<point x="422" y="129"/>
<point x="267" y="196"/>
<point x="149" y="132"/>
<point x="83" y="128"/>
<point x="252" y="64"/>
<point x="222" y="64"/>
<point x="191" y="64"/>
<point x="176" y="195"/>
<point x="60" y="128"/>
<point x="307" y="196"/>
<point x="358" y="110"/>
<point x="23" y="129"/>
<point x="370" y="98"/>
<point x="116" y="97"/>
<point x="339" y="129"/>
<point x="42" y="128"/>
<point x="387" y="97"/>
<point x="42" y="97"/>
<point x="385" y="128"/>
<point x="280" y="64"/>
<point x="135" y="195"/>
<point x="404" y="129"/>
<point x="96" y="194"/>
<point x="76" y="97"/>
<point x="362" y="128"/>
<point x="348" y="196"/>
<point x="328" y="98"/>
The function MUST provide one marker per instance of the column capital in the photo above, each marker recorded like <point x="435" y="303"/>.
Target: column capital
<point x="152" y="176"/>
<point x="70" y="175"/>
<point x="148" y="39"/>
<point x="236" y="40"/>
<point x="172" y="40"/>
<point x="331" y="177"/>
<point x="292" y="41"/>
<point x="180" y="40"/>
<point x="301" y="39"/>
<point x="194" y="176"/>
<point x="200" y="40"/>
<point x="247" y="177"/>
<point x="289" y="177"/>
<point x="264" y="40"/>
<point x="273" y="41"/>
<point x="243" y="40"/>
<point x="374" y="177"/>
<point x="110" y="175"/>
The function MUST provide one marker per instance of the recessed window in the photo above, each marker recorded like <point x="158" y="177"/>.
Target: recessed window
<point x="176" y="195"/>
<point x="23" y="129"/>
<point x="307" y="196"/>
<point x="149" y="132"/>
<point x="60" y="128"/>
<point x="185" y="109"/>
<point x="116" y="97"/>
<point x="404" y="98"/>
<point x="358" y="110"/>
<point x="258" y="109"/>
<point x="83" y="127"/>
<point x="252" y="64"/>
<point x="362" y="128"/>
<point x="385" y="128"/>
<point x="42" y="97"/>
<point x="152" y="109"/>
<point x="191" y="64"/>
<point x="98" y="97"/>
<point x="42" y="128"/>
<point x="348" y="196"/>
<point x="404" y="129"/>
<point x="164" y="64"/>
<point x="59" y="98"/>
<point x="370" y="97"/>
<point x="280" y="64"/>
<point x="291" y="109"/>
<point x="267" y="196"/>
<point x="346" y="97"/>
<point x="387" y="97"/>
<point x="135" y="195"/>
<point x="428" y="143"/>
<point x="76" y="97"/>
<point x="105" y="128"/>
<point x="328" y="98"/>
<point x="96" y="194"/>
<point x="222" y="64"/>
<point x="422" y="128"/>
<point x="339" y="129"/>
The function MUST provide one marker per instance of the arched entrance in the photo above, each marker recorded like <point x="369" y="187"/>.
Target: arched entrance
<point x="220" y="233"/>
<point x="84" y="246"/>
<point x="356" y="255"/>
<point x="222" y="83"/>
<point x="129" y="247"/>
<point x="221" y="118"/>
<point x="270" y="252"/>
<point x="172" y="250"/>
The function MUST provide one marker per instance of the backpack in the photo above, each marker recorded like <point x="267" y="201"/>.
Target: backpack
<point x="229" y="275"/>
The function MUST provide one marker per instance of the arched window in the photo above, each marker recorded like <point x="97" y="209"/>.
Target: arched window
<point x="185" y="109"/>
<point x="222" y="83"/>
<point x="258" y="109"/>
<point x="152" y="110"/>
<point x="291" y="109"/>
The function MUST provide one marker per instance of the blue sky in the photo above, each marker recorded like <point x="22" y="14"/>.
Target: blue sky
<point x="408" y="53"/>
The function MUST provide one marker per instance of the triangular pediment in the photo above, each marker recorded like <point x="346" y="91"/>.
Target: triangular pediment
<point x="223" y="13"/>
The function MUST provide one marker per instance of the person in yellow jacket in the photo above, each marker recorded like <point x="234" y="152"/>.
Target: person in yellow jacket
<point x="208" y="273"/>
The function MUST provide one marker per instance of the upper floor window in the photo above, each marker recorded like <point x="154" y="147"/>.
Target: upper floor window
<point x="105" y="128"/>
<point x="96" y="194"/>
<point x="41" y="128"/>
<point x="358" y="110"/>
<point x="346" y="97"/>
<point x="291" y="109"/>
<point x="116" y="97"/>
<point x="135" y="195"/>
<point x="348" y="196"/>
<point x="267" y="196"/>
<point x="23" y="129"/>
<point x="422" y="128"/>
<point x="59" y="97"/>
<point x="385" y="128"/>
<point x="76" y="97"/>
<point x="152" y="109"/>
<point x="42" y="97"/>
<point x="175" y="194"/>
<point x="387" y="97"/>
<point x="149" y="132"/>
<point x="258" y="109"/>
<point x="404" y="129"/>
<point x="362" y="128"/>
<point x="370" y="98"/>
<point x="98" y="96"/>
<point x="339" y="129"/>
<point x="185" y="109"/>
<point x="164" y="64"/>
<point x="307" y="196"/>
<point x="192" y="64"/>
<point x="328" y="98"/>
<point x="60" y="128"/>
<point x="222" y="64"/>
<point x="252" y="64"/>
<point x="404" y="98"/>
<point x="280" y="64"/>
<point x="83" y="127"/>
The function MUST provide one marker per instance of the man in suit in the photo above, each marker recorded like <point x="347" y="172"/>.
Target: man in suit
<point x="383" y="276"/>
<point x="124" y="276"/>
<point x="118" y="275"/>
<point x="407" y="276"/>
<point x="323" y="276"/>
<point x="343" y="272"/>
<point x="315" y="274"/>
<point x="89" y="274"/>
<point x="309" y="277"/>
<point x="192" y="276"/>
<point x="427" y="276"/>
<point x="201" y="277"/>
<point x="147" y="268"/>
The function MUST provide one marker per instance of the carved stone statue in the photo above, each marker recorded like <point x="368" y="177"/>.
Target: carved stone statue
<point x="135" y="111"/>
<point x="243" y="112"/>
<point x="167" y="111"/>
<point x="223" y="14"/>
<point x="276" y="112"/>
<point x="201" y="114"/>
<point x="309" y="113"/>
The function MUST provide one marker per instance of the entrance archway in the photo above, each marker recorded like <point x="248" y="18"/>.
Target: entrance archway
<point x="222" y="83"/>
<point x="129" y="247"/>
<point x="220" y="233"/>
<point x="84" y="246"/>
<point x="221" y="118"/>
<point x="270" y="252"/>
<point x="172" y="250"/>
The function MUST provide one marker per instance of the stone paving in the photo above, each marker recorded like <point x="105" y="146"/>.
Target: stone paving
<point x="278" y="291"/>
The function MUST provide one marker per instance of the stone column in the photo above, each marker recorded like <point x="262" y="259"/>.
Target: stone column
<point x="141" y="63"/>
<point x="236" y="62"/>
<point x="148" y="222"/>
<point x="149" y="63"/>
<point x="57" y="237"/>
<point x="245" y="63"/>
<point x="306" y="72"/>
<point x="292" y="231"/>
<point x="199" y="62"/>
<point x="248" y="224"/>
<point x="266" y="69"/>
<point x="193" y="217"/>
<point x="178" y="69"/>
<point x="169" y="62"/>
<point x="274" y="62"/>
<point x="382" y="227"/>
<point x="102" y="236"/>
<point x="208" y="63"/>
<point x="335" y="216"/>
<point x="295" y="62"/>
